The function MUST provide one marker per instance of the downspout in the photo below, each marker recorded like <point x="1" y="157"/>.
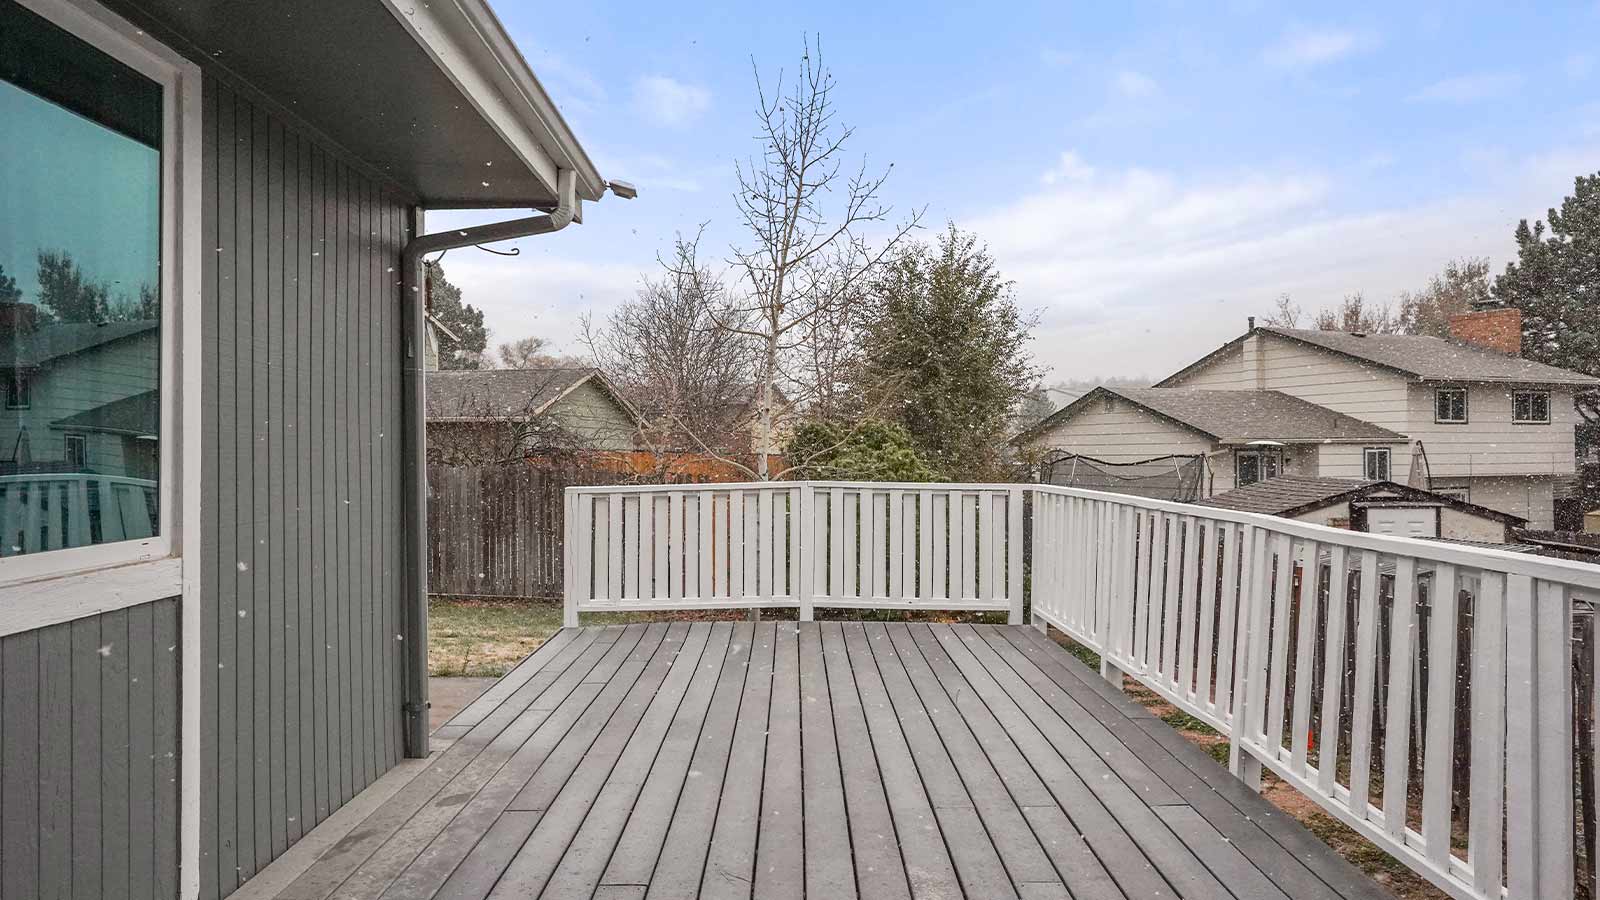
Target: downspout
<point x="414" y="434"/>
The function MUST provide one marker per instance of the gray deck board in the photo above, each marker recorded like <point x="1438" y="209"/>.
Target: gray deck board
<point x="830" y="760"/>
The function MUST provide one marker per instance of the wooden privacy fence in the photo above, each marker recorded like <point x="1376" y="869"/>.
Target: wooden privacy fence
<point x="1422" y="692"/>
<point x="496" y="531"/>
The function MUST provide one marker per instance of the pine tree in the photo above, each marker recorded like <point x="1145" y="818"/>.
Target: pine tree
<point x="1555" y="281"/>
<point x="465" y="321"/>
<point x="945" y="353"/>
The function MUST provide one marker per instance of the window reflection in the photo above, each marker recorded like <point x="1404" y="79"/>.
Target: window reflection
<point x="80" y="206"/>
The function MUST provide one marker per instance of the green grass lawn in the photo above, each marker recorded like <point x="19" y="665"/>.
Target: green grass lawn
<point x="487" y="638"/>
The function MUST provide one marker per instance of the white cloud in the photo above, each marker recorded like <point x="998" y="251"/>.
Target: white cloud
<point x="1306" y="47"/>
<point x="667" y="101"/>
<point x="540" y="293"/>
<point x="1070" y="167"/>
<point x="1469" y="88"/>
<point x="1134" y="84"/>
<point x="1138" y="271"/>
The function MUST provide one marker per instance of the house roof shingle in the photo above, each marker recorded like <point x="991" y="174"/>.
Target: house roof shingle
<point x="1239" y="417"/>
<point x="478" y="394"/>
<point x="1293" y="494"/>
<point x="1422" y="356"/>
<point x="137" y="416"/>
<point x="56" y="339"/>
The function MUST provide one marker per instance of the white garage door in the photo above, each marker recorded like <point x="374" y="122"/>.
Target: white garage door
<point x="1420" y="522"/>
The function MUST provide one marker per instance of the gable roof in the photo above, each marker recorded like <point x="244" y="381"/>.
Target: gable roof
<point x="1235" y="417"/>
<point x="135" y="416"/>
<point x="1420" y="356"/>
<point x="476" y="395"/>
<point x="1290" y="495"/>
<point x="57" y="339"/>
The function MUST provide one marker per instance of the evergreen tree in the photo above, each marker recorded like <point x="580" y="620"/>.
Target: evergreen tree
<point x="945" y="353"/>
<point x="462" y="319"/>
<point x="870" y="450"/>
<point x="1555" y="281"/>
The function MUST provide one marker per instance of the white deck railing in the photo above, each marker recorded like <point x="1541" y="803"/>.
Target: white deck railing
<point x="1420" y="691"/>
<point x="56" y="510"/>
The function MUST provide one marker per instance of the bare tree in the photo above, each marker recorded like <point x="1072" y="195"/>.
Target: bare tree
<point x="1455" y="290"/>
<point x="1355" y="315"/>
<point x="680" y="350"/>
<point x="806" y="253"/>
<point x="1286" y="314"/>
<point x="533" y="353"/>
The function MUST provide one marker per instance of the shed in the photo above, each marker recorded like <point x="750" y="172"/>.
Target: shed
<point x="1384" y="507"/>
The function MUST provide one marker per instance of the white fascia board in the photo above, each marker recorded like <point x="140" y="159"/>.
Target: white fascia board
<point x="470" y="46"/>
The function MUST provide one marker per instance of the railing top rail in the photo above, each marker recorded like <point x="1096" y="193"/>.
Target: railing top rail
<point x="974" y="487"/>
<point x="72" y="476"/>
<point x="1578" y="574"/>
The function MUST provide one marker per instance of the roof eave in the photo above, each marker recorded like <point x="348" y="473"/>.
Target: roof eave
<point x="469" y="45"/>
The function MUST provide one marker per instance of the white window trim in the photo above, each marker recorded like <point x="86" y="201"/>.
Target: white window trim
<point x="1466" y="407"/>
<point x="68" y="584"/>
<point x="25" y="580"/>
<point x="1548" y="411"/>
<point x="1388" y="462"/>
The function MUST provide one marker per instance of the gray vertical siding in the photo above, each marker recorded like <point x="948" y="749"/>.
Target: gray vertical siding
<point x="300" y="658"/>
<point x="89" y="757"/>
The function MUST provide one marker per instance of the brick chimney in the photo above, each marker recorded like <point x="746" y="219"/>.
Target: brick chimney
<point x="18" y="318"/>
<point x="1493" y="329"/>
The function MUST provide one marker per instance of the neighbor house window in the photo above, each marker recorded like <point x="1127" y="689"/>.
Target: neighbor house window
<point x="80" y="288"/>
<point x="75" y="451"/>
<point x="1377" y="463"/>
<point x="1450" y="405"/>
<point x="1258" y="465"/>
<point x="17" y="396"/>
<point x="1530" y="407"/>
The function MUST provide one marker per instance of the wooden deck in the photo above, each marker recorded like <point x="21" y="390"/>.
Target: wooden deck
<point x="828" y="760"/>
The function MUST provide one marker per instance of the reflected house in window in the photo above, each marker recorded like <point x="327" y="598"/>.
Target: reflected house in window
<point x="96" y="381"/>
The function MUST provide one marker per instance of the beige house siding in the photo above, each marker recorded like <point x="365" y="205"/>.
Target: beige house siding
<point x="1490" y="443"/>
<point x="1121" y="433"/>
<point x="1529" y="496"/>
<point x="1370" y="393"/>
<point x="1464" y="526"/>
<point x="1327" y="515"/>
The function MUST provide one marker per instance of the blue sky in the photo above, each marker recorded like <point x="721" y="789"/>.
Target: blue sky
<point x="1148" y="174"/>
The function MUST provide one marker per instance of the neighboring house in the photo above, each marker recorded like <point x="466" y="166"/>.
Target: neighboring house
<point x="1466" y="416"/>
<point x="491" y="415"/>
<point x="1382" y="507"/>
<point x="179" y="707"/>
<point x="1244" y="436"/>
<point x="1591" y="521"/>
<point x="78" y="396"/>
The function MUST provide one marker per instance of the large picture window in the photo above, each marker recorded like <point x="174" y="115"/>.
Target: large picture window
<point x="80" y="291"/>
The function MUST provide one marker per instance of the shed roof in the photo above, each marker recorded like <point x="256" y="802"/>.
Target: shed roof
<point x="1288" y="495"/>
<point x="1236" y="417"/>
<point x="1421" y="356"/>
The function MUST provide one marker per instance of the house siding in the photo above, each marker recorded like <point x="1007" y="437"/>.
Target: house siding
<point x="1490" y="443"/>
<point x="1125" y="433"/>
<point x="1367" y="392"/>
<point x="89" y="757"/>
<point x="301" y="556"/>
<point x="593" y="417"/>
<point x="78" y="383"/>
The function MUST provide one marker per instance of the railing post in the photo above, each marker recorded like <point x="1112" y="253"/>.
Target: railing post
<point x="807" y="539"/>
<point x="1014" y="555"/>
<point x="1539" y="740"/>
<point x="1038" y="581"/>
<point x="1249" y="654"/>
<point x="569" y="575"/>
